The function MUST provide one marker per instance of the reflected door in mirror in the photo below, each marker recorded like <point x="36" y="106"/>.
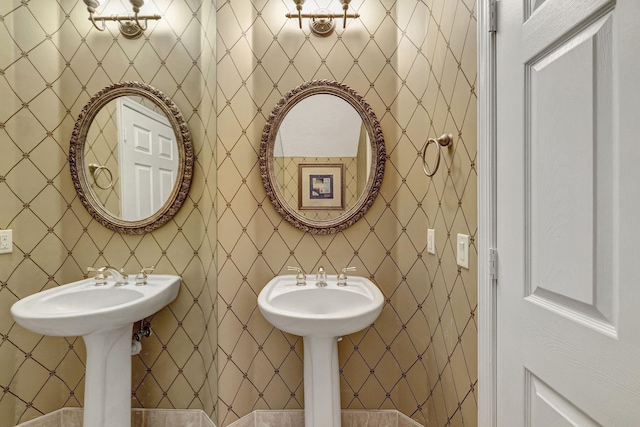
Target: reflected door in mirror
<point x="149" y="160"/>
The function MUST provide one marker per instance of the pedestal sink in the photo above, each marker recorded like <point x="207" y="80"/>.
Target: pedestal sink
<point x="103" y="316"/>
<point x="321" y="315"/>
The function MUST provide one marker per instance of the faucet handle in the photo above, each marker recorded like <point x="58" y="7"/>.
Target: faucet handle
<point x="148" y="270"/>
<point x="301" y="278"/>
<point x="342" y="277"/>
<point x="100" y="278"/>
<point x="141" y="277"/>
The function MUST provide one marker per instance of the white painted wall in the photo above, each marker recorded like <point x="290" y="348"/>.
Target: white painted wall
<point x="319" y="126"/>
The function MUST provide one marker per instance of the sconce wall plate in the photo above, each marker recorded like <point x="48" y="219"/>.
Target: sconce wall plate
<point x="320" y="25"/>
<point x="130" y="30"/>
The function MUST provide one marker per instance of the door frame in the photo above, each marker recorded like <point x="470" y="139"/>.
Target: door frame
<point x="487" y="218"/>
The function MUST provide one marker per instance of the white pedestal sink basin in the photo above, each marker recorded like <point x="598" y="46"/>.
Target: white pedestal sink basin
<point x="320" y="315"/>
<point x="103" y="316"/>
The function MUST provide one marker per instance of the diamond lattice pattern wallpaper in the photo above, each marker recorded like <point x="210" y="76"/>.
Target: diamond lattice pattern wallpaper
<point x="51" y="62"/>
<point x="415" y="63"/>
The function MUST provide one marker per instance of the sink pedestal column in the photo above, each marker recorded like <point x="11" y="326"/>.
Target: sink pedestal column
<point x="107" y="395"/>
<point x="321" y="382"/>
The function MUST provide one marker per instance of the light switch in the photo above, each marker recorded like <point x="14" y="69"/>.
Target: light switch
<point x="463" y="250"/>
<point x="431" y="241"/>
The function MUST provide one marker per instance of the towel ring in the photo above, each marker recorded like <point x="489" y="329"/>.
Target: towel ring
<point x="96" y="170"/>
<point x="443" y="141"/>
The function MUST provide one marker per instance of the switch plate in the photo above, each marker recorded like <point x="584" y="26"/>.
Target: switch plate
<point x="463" y="250"/>
<point x="6" y="241"/>
<point x="431" y="241"/>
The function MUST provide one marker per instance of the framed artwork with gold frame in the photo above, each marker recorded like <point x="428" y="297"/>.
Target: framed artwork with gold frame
<point x="321" y="186"/>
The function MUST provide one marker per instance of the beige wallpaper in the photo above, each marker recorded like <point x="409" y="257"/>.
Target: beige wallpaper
<point x="51" y="62"/>
<point x="415" y="63"/>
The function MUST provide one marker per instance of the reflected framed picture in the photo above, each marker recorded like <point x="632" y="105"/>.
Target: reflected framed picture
<point x="321" y="186"/>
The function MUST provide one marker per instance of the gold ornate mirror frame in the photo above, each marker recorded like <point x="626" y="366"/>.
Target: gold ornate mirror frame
<point x="185" y="158"/>
<point x="378" y="153"/>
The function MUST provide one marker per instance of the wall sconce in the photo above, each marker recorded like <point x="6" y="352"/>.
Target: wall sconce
<point x="322" y="21"/>
<point x="130" y="26"/>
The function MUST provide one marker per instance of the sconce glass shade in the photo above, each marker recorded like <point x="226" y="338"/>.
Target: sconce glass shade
<point x="137" y="3"/>
<point x="92" y="3"/>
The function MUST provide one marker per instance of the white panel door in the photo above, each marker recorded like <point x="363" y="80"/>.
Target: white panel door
<point x="149" y="160"/>
<point x="568" y="206"/>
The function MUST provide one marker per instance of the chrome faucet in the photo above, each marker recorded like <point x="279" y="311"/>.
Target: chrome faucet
<point x="119" y="276"/>
<point x="321" y="277"/>
<point x="103" y="272"/>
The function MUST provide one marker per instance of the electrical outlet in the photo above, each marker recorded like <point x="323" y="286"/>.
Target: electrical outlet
<point x="431" y="241"/>
<point x="6" y="241"/>
<point x="463" y="250"/>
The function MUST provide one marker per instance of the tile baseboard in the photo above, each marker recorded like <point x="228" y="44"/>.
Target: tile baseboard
<point x="72" y="417"/>
<point x="350" y="418"/>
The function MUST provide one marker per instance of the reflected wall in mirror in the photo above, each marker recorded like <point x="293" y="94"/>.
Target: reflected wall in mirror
<point x="131" y="157"/>
<point x="322" y="156"/>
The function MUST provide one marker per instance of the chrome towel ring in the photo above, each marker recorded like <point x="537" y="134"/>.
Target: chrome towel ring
<point x="443" y="141"/>
<point x="96" y="171"/>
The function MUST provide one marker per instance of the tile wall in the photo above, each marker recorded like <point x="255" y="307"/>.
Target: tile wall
<point x="415" y="63"/>
<point x="51" y="62"/>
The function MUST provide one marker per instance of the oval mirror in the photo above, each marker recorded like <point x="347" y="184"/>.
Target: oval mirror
<point x="322" y="156"/>
<point x="131" y="157"/>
